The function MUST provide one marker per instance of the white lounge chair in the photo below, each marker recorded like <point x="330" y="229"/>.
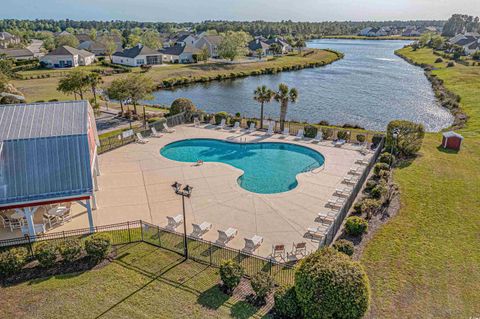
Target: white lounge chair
<point x="336" y="202"/>
<point x="227" y="235"/>
<point x="327" y="217"/>
<point x="358" y="170"/>
<point x="251" y="129"/>
<point x="339" y="143"/>
<point x="202" y="229"/>
<point x="319" y="137"/>
<point x="155" y="132"/>
<point x="141" y="139"/>
<point x="316" y="231"/>
<point x="167" y="129"/>
<point x="286" y="132"/>
<point x="251" y="244"/>
<point x="222" y="124"/>
<point x="350" y="179"/>
<point x="174" y="222"/>
<point x="362" y="161"/>
<point x="299" y="134"/>
<point x="271" y="126"/>
<point x="196" y="122"/>
<point x="345" y="191"/>
<point x="236" y="126"/>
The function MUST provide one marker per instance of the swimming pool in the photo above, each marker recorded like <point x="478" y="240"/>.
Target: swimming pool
<point x="268" y="167"/>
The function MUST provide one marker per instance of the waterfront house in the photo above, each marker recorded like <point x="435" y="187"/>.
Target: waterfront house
<point x="18" y="54"/>
<point x="8" y="40"/>
<point x="67" y="57"/>
<point x="258" y="45"/>
<point x="179" y="53"/>
<point x="137" y="56"/>
<point x="469" y="41"/>
<point x="284" y="46"/>
<point x="211" y="42"/>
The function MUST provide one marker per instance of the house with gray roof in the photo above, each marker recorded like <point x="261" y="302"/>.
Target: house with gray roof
<point x="18" y="54"/>
<point x="211" y="42"/>
<point x="67" y="57"/>
<point x="258" y="45"/>
<point x="179" y="53"/>
<point x="7" y="39"/>
<point x="137" y="56"/>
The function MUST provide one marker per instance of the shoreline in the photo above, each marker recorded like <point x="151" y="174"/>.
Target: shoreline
<point x="361" y="37"/>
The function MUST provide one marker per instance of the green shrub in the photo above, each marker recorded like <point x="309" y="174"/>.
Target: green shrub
<point x="380" y="167"/>
<point x="182" y="105"/>
<point x="219" y="116"/>
<point x="329" y="284"/>
<point x="356" y="226"/>
<point x="97" y="246"/>
<point x="439" y="60"/>
<point x="46" y="253"/>
<point x="250" y="122"/>
<point x="154" y="119"/>
<point x="262" y="284"/>
<point x="12" y="260"/>
<point x="230" y="273"/>
<point x="344" y="246"/>
<point x="70" y="249"/>
<point x="310" y="131"/>
<point x="357" y="207"/>
<point x="370" y="184"/>
<point x="409" y="139"/>
<point x="386" y="158"/>
<point x="370" y="207"/>
<point x="327" y="133"/>
<point x="286" y="304"/>
<point x="376" y="139"/>
<point x="379" y="191"/>
<point x="450" y="64"/>
<point x="361" y="138"/>
<point x="343" y="135"/>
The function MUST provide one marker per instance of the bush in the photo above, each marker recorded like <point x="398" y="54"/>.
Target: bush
<point x="386" y="158"/>
<point x="46" y="253"/>
<point x="356" y="226"/>
<point x="310" y="131"/>
<point x="70" y="249"/>
<point x="12" y="260"/>
<point x="262" y="284"/>
<point x="357" y="207"/>
<point x="327" y="133"/>
<point x="361" y="138"/>
<point x="182" y="105"/>
<point x="286" y="304"/>
<point x="344" y="246"/>
<point x="370" y="207"/>
<point x="380" y="167"/>
<point x="250" y="122"/>
<point x="376" y="139"/>
<point x="97" y="246"/>
<point x="154" y="119"/>
<point x="439" y="60"/>
<point x="409" y="139"/>
<point x="343" y="135"/>
<point x="379" y="191"/>
<point x="329" y="284"/>
<point x="370" y="184"/>
<point x="219" y="116"/>
<point x="230" y="273"/>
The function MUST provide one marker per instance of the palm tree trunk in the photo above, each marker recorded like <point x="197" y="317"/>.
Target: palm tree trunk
<point x="94" y="94"/>
<point x="283" y="114"/>
<point x="261" y="116"/>
<point x="135" y="108"/>
<point x="80" y="92"/>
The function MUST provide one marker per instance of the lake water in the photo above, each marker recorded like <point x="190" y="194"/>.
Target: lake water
<point x="369" y="87"/>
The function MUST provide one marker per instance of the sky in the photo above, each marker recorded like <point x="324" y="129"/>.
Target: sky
<point x="245" y="10"/>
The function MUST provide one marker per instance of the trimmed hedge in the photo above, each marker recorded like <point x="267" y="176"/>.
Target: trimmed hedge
<point x="328" y="284"/>
<point x="12" y="261"/>
<point x="70" y="249"/>
<point x="356" y="226"/>
<point x="344" y="246"/>
<point x="219" y="116"/>
<point x="46" y="253"/>
<point x="387" y="158"/>
<point x="380" y="167"/>
<point x="98" y="246"/>
<point x="286" y="304"/>
<point x="310" y="131"/>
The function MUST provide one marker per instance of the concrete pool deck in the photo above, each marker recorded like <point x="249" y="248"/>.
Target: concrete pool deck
<point x="135" y="183"/>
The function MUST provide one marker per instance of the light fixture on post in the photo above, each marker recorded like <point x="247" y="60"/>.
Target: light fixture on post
<point x="185" y="192"/>
<point x="395" y="134"/>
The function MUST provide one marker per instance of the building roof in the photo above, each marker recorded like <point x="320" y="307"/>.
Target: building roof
<point x="83" y="37"/>
<point x="136" y="51"/>
<point x="17" y="53"/>
<point x="85" y="53"/>
<point x="178" y="49"/>
<point x="258" y="44"/>
<point x="6" y="35"/>
<point x="475" y="45"/>
<point x="213" y="39"/>
<point x="452" y="134"/>
<point x="67" y="50"/>
<point x="44" y="151"/>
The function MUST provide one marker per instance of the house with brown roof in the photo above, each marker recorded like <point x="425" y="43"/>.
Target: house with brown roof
<point x="7" y="39"/>
<point x="67" y="57"/>
<point x="179" y="53"/>
<point x="211" y="42"/>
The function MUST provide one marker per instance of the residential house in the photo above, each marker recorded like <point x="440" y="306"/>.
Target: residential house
<point x="97" y="47"/>
<point x="8" y="40"/>
<point x="67" y="57"/>
<point x="179" y="53"/>
<point x="258" y="45"/>
<point x="83" y="37"/>
<point x="18" y="54"/>
<point x="364" y="32"/>
<point x="470" y="41"/>
<point x="211" y="42"/>
<point x="374" y="32"/>
<point x="284" y="46"/>
<point x="411" y="32"/>
<point x="137" y="56"/>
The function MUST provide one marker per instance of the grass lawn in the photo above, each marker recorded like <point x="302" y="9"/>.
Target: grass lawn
<point x="425" y="262"/>
<point x="143" y="282"/>
<point x="46" y="89"/>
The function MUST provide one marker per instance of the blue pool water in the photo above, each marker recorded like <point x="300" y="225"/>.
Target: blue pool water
<point x="268" y="167"/>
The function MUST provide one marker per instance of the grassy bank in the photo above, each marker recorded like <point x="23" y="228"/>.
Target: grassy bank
<point x="45" y="89"/>
<point x="143" y="282"/>
<point x="360" y="37"/>
<point x="425" y="262"/>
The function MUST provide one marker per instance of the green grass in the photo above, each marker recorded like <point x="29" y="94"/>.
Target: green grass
<point x="425" y="262"/>
<point x="143" y="282"/>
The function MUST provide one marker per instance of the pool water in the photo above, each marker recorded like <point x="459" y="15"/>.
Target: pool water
<point x="268" y="167"/>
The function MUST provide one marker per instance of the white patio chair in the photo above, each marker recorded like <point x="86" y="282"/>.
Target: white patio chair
<point x="155" y="133"/>
<point x="319" y="137"/>
<point x="227" y="235"/>
<point x="299" y="249"/>
<point x="339" y="143"/>
<point x="286" y="132"/>
<point x="141" y="139"/>
<point x="344" y="192"/>
<point x="252" y="244"/>
<point x="327" y="217"/>
<point x="270" y="128"/>
<point x="350" y="179"/>
<point x="202" y="229"/>
<point x="362" y="161"/>
<point x="167" y="129"/>
<point x="336" y="202"/>
<point x="299" y="134"/>
<point x="174" y="222"/>
<point x="236" y="126"/>
<point x="316" y="232"/>
<point x="50" y="220"/>
<point x="358" y="170"/>
<point x="222" y="124"/>
<point x="278" y="251"/>
<point x="251" y="129"/>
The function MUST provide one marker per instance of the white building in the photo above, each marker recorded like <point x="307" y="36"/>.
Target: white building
<point x="137" y="56"/>
<point x="67" y="57"/>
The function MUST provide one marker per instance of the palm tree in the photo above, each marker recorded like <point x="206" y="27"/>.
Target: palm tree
<point x="283" y="96"/>
<point x="262" y="95"/>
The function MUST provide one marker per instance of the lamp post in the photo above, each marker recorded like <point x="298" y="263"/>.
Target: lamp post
<point x="185" y="192"/>
<point x="395" y="133"/>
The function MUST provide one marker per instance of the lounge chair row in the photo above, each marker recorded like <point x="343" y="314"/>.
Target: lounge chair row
<point x="154" y="133"/>
<point x="224" y="236"/>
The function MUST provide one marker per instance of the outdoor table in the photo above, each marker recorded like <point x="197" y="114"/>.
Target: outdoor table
<point x="57" y="211"/>
<point x="18" y="215"/>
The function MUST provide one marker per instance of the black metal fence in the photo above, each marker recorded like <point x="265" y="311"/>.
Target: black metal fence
<point x="335" y="226"/>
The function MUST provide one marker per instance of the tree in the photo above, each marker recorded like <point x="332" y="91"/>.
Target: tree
<point x="110" y="46"/>
<point x="262" y="95"/>
<point x="300" y="44"/>
<point x="139" y="87"/>
<point x="6" y="65"/>
<point x="329" y="284"/>
<point x="49" y="42"/>
<point x="409" y="137"/>
<point x="182" y="105"/>
<point x="3" y="81"/>
<point x="233" y="44"/>
<point x="75" y="82"/>
<point x="204" y="54"/>
<point x="276" y="48"/>
<point x="93" y="34"/>
<point x="283" y="96"/>
<point x="259" y="53"/>
<point x="437" y="41"/>
<point x="151" y="39"/>
<point x="94" y="80"/>
<point x="118" y="91"/>
<point x="231" y="273"/>
<point x="66" y="39"/>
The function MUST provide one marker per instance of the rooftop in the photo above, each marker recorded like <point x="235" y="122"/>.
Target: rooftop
<point x="136" y="51"/>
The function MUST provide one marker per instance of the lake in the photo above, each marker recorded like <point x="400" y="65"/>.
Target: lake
<point x="369" y="87"/>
